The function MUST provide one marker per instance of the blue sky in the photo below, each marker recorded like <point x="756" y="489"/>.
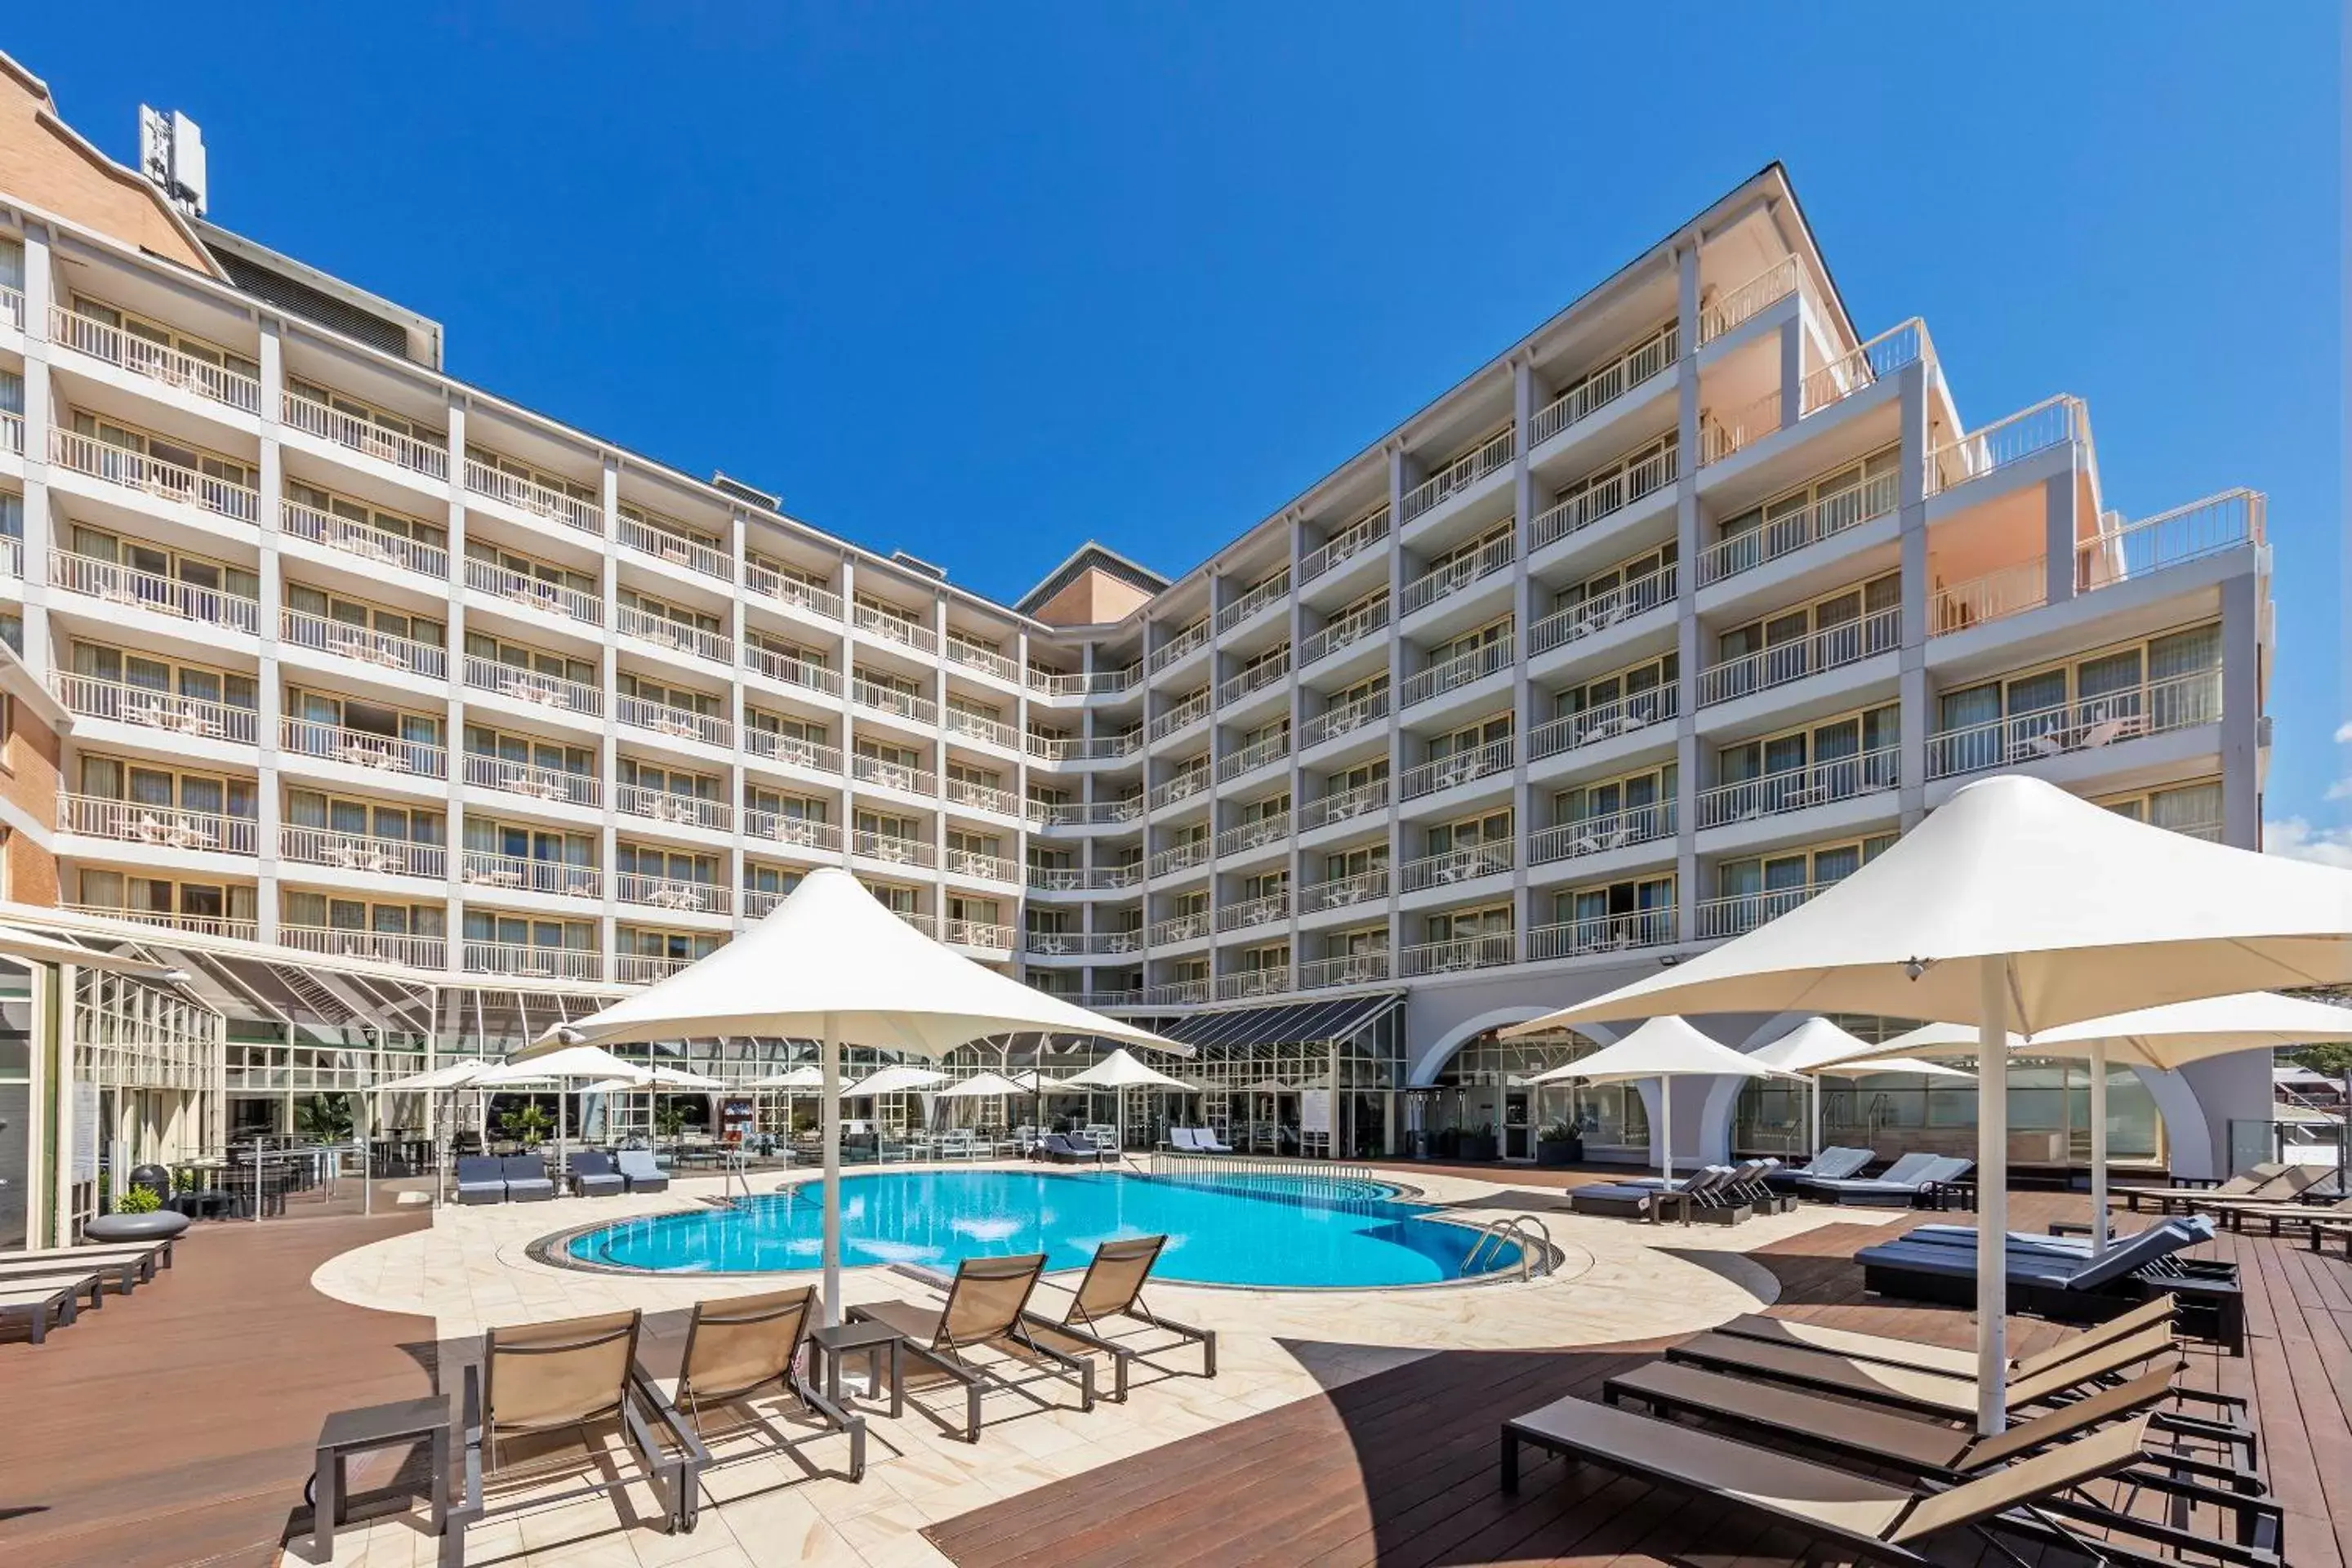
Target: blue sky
<point x="982" y="282"/>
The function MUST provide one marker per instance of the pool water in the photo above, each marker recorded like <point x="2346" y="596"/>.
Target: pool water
<point x="1275" y="1231"/>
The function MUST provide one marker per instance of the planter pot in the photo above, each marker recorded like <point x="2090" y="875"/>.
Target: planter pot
<point x="161" y="1226"/>
<point x="1480" y="1146"/>
<point x="1563" y="1152"/>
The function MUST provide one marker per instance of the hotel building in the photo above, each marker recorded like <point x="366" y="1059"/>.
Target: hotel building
<point x="383" y="716"/>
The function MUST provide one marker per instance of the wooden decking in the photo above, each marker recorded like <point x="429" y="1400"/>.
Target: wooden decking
<point x="1398" y="1469"/>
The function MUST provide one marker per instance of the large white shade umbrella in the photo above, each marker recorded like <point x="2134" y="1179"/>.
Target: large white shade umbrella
<point x="570" y="1068"/>
<point x="2018" y="906"/>
<point x="830" y="962"/>
<point x="1119" y="1072"/>
<point x="1663" y="1049"/>
<point x="1032" y="1081"/>
<point x="894" y="1080"/>
<point x="980" y="1085"/>
<point x="806" y="1077"/>
<point x="457" y="1075"/>
<point x="1809" y="1046"/>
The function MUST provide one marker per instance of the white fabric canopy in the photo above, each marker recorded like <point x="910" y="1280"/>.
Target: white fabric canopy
<point x="572" y="1063"/>
<point x="679" y="1077"/>
<point x="2163" y="1038"/>
<point x="1032" y="1081"/>
<point x="457" y="1075"/>
<point x="1121" y="1070"/>
<point x="1814" y="1043"/>
<point x="894" y="1080"/>
<point x="1663" y="1049"/>
<point x="804" y="1077"/>
<point x="1890" y="1064"/>
<point x="982" y="1084"/>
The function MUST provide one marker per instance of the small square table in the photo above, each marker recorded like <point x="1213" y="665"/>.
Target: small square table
<point x="1670" y="1197"/>
<point x="873" y="1339"/>
<point x="349" y="1432"/>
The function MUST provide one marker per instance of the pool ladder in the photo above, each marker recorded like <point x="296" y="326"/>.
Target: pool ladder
<point x="1522" y="1231"/>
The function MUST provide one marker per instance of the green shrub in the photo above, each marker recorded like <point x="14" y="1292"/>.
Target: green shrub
<point x="138" y="1200"/>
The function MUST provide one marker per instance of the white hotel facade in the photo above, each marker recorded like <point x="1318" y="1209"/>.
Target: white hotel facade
<point x="1656" y="625"/>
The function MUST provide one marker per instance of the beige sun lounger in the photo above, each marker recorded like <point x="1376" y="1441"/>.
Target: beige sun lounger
<point x="2245" y="1183"/>
<point x="1932" y="1393"/>
<point x="1112" y="1289"/>
<point x="1941" y="1358"/>
<point x="985" y="1309"/>
<point x="119" y="1273"/>
<point x="743" y="1347"/>
<point x="39" y="1300"/>
<point x="151" y="1254"/>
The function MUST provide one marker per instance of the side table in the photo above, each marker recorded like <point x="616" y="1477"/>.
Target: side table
<point x="349" y="1432"/>
<point x="873" y="1339"/>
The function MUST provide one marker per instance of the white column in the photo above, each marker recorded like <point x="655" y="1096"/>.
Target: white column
<point x="1992" y="1195"/>
<point x="829" y="1115"/>
<point x="2098" y="1147"/>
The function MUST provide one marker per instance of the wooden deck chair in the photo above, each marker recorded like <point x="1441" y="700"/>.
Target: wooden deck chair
<point x="740" y="1348"/>
<point x="2252" y="1182"/>
<point x="1112" y="1289"/>
<point x="1941" y="1358"/>
<point x="40" y="1300"/>
<point x="985" y="1309"/>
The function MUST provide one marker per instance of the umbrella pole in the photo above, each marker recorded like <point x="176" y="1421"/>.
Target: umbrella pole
<point x="1992" y="1195"/>
<point x="1817" y="1117"/>
<point x="2098" y="1147"/>
<point x="831" y="1115"/>
<point x="1666" y="1125"/>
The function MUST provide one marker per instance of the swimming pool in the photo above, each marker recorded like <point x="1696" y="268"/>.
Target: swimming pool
<point x="1277" y="1231"/>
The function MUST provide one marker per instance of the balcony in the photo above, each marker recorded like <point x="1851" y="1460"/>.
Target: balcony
<point x="980" y="727"/>
<point x="892" y="628"/>
<point x="322" y="634"/>
<point x="885" y="774"/>
<point x="1181" y="857"/>
<point x="555" y="692"/>
<point x="893" y="849"/>
<point x="1345" y="632"/>
<point x="678" y="810"/>
<point x="986" y="661"/>
<point x="12" y="306"/>
<point x="1193" y="926"/>
<point x="645" y="968"/>
<point x="1185" y="714"/>
<point x="540" y="500"/>
<point x="1272" y="981"/>
<point x="1599" y="834"/>
<point x="1437" y="679"/>
<point x="1101" y="683"/>
<point x="2012" y="590"/>
<point x="530" y="874"/>
<point x="531" y="960"/>
<point x="982" y="798"/>
<point x="1092" y="813"/>
<point x="1602" y="933"/>
<point x="1749" y="299"/>
<point x="801" y="831"/>
<point x="1076" y="944"/>
<point x="1345" y="545"/>
<point x="92" y="697"/>
<point x="773" y="584"/>
<point x="198" y="925"/>
<point x="1260" y="674"/>
<point x="1081" y="749"/>
<point x="533" y="592"/>
<point x="1254" y="756"/>
<point x="511" y="777"/>
<point x="2152" y="708"/>
<point x="986" y="934"/>
<point x="1604" y="494"/>
<point x="147" y="590"/>
<point x="1344" y="892"/>
<point x="157" y="362"/>
<point x="1243" y="837"/>
<point x="677" y="724"/>
<point x="1454" y="957"/>
<point x="679" y="895"/>
<point x="1740" y="913"/>
<point x="1490" y="456"/>
<point x="1600" y="388"/>
<point x="1190" y="640"/>
<point x="361" y="852"/>
<point x="1854" y="371"/>
<point x="1182" y="786"/>
<point x="12" y="433"/>
<point x="93" y="459"/>
<point x="158" y="827"/>
<point x="2132" y="550"/>
<point x="1444" y="773"/>
<point x="880" y="698"/>
<point x="661" y="631"/>
<point x="2055" y="422"/>
<point x="1797" y="789"/>
<point x="1353" y="969"/>
<point x="1346" y="805"/>
<point x="1083" y="880"/>
<point x="1454" y="866"/>
<point x="982" y="866"/>
<point x="1831" y="647"/>
<point x="676" y="548"/>
<point x="1427" y="589"/>
<point x="1267" y="594"/>
<point x="1635" y="597"/>
<point x="429" y="459"/>
<point x="1605" y="721"/>
<point x="1346" y="719"/>
<point x="368" y="749"/>
<point x="1175" y="993"/>
<point x="788" y="669"/>
<point x="1825" y="518"/>
<point x="370" y="543"/>
<point x="376" y="946"/>
<point x="1258" y="911"/>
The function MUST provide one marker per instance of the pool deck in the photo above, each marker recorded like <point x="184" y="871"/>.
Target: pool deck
<point x="1354" y="1427"/>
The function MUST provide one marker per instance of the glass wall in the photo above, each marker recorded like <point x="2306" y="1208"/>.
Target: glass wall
<point x="1481" y="1106"/>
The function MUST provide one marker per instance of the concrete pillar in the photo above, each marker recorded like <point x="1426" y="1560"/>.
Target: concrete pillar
<point x="1792" y="370"/>
<point x="453" y="896"/>
<point x="608" y="679"/>
<point x="1403" y="474"/>
<point x="40" y="416"/>
<point x="2242" y="714"/>
<point x="2060" y="493"/>
<point x="1911" y="514"/>
<point x="1690" y="645"/>
<point x="271" y="694"/>
<point x="1527" y="609"/>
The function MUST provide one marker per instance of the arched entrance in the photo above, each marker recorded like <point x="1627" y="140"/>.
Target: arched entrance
<point x="1472" y="1099"/>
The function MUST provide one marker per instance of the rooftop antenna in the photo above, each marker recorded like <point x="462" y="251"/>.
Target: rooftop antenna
<point x="171" y="154"/>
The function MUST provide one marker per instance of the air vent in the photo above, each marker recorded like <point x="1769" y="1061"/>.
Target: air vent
<point x="744" y="493"/>
<point x="917" y="564"/>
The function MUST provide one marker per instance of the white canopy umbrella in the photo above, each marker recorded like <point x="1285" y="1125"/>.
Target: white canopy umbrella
<point x="804" y="1077"/>
<point x="894" y="1079"/>
<point x="1032" y="1081"/>
<point x="2016" y="905"/>
<point x="981" y="1084"/>
<point x="571" y="1069"/>
<point x="1809" y="1046"/>
<point x="1663" y="1049"/>
<point x="831" y="962"/>
<point x="457" y="1075"/>
<point x="1890" y="1064"/>
<point x="1119" y="1072"/>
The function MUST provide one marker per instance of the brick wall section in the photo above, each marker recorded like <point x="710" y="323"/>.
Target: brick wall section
<point x="29" y="763"/>
<point x="47" y="165"/>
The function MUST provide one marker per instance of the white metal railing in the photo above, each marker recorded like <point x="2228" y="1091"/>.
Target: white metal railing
<point x="1091" y="812"/>
<point x="662" y="631"/>
<point x="774" y="584"/>
<point x="1082" y="749"/>
<point x="1796" y="789"/>
<point x="988" y="934"/>
<point x="1351" y="968"/>
<point x="1181" y="786"/>
<point x="1273" y="979"/>
<point x="1261" y="911"/>
<point x="1192" y="638"/>
<point x="1443" y="773"/>
<point x="362" y="749"/>
<point x="1464" y="952"/>
<point x="1460" y="670"/>
<point x="364" y="436"/>
<point x="677" y="724"/>
<point x="323" y="634"/>
<point x="1345" y="719"/>
<point x="1256" y="678"/>
<point x="1454" y="866"/>
<point x="528" y="874"/>
<point x="1183" y="927"/>
<point x="361" y="852"/>
<point x="1345" y="805"/>
<point x="12" y="432"/>
<point x="528" y="959"/>
<point x="12" y="306"/>
<point x="1825" y="517"/>
<point x="981" y="866"/>
<point x="2053" y="422"/>
<point x="1174" y="994"/>
<point x="759" y="903"/>
<point x="1742" y="303"/>
<point x="383" y="946"/>
<point x="644" y="968"/>
<point x="1585" y="836"/>
<point x="986" y="661"/>
<point x="667" y="805"/>
<point x="891" y="847"/>
<point x="1495" y="555"/>
<point x="1083" y="879"/>
<point x="1255" y="756"/>
<point x="681" y="895"/>
<point x="1598" y="388"/>
<point x="790" y="669"/>
<point x="1602" y="934"/>
<point x="889" y="700"/>
<point x="982" y="798"/>
<point x="1720" y="435"/>
<point x="1739" y="913"/>
<point x="157" y="362"/>
<point x="1272" y="590"/>
<point x="894" y="628"/>
<point x="163" y="826"/>
<point x="149" y="591"/>
<point x="533" y="592"/>
<point x="887" y="775"/>
<point x="2186" y="533"/>
<point x="363" y="539"/>
<point x="1244" y="836"/>
<point x="1604" y="720"/>
<point x="1600" y="495"/>
<point x="1346" y="544"/>
<point x="1831" y="647"/>
<point x="1101" y="683"/>
<point x="529" y="495"/>
<point x="553" y="691"/>
<point x="1489" y="455"/>
<point x="12" y="556"/>
<point x="678" y="549"/>
<point x="503" y="774"/>
<point x="980" y="727"/>
<point x="1188" y="711"/>
<point x="1635" y="597"/>
<point x="1864" y="366"/>
<point x="1346" y="631"/>
<point x="2014" y="589"/>
<point x="1181" y="857"/>
<point x="800" y="832"/>
<point x="89" y="455"/>
<point x="1344" y="892"/>
<point x="192" y="716"/>
<point x="2152" y="708"/>
<point x="200" y="925"/>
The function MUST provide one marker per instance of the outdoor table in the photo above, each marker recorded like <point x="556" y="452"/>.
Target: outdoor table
<point x="349" y="1432"/>
<point x="1670" y="1198"/>
<point x="873" y="1339"/>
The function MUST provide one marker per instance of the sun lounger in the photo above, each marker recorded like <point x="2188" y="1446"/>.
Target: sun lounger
<point x="481" y="1179"/>
<point x="1112" y="1289"/>
<point x="37" y="1300"/>
<point x="2276" y="1217"/>
<point x="738" y="1350"/>
<point x="638" y="1169"/>
<point x="2253" y="1179"/>
<point x="1938" y="1358"/>
<point x="1914" y="1184"/>
<point x="1181" y="1139"/>
<point x="148" y="1255"/>
<point x="985" y="1309"/>
<point x="1709" y="1197"/>
<point x="1830" y="1163"/>
<point x="1210" y="1143"/>
<point x="592" y="1175"/>
<point x="120" y="1273"/>
<point x="526" y="1178"/>
<point x="1063" y="1149"/>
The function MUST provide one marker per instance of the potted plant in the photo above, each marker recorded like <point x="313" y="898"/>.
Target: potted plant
<point x="1481" y="1144"/>
<point x="1559" y="1144"/>
<point x="138" y="1214"/>
<point x="526" y="1126"/>
<point x="1448" y="1143"/>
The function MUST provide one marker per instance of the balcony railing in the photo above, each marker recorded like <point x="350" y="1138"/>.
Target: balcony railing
<point x="644" y="968"/>
<point x="1454" y="866"/>
<point x="1460" y="670"/>
<point x="1831" y="647"/>
<point x="981" y="728"/>
<point x="679" y="895"/>
<point x="801" y="831"/>
<point x="1722" y="435"/>
<point x="1181" y="857"/>
<point x="1599" y="834"/>
<point x="1346" y="544"/>
<point x="1345" y="892"/>
<point x="530" y="961"/>
<point x="676" y="548"/>
<point x="148" y="590"/>
<point x="2052" y="423"/>
<point x="1181" y="787"/>
<point x="1101" y="683"/>
<point x="1346" y="719"/>
<point x="773" y="584"/>
<point x="1270" y="591"/>
<point x="1797" y="789"/>
<point x="891" y="847"/>
<point x="981" y="865"/>
<point x="1345" y="632"/>
<point x="556" y="692"/>
<point x="1601" y="387"/>
<point x="97" y="459"/>
<point x="1345" y="805"/>
<point x="1190" y="640"/>
<point x="2153" y="708"/>
<point x="1462" y="953"/>
<point x="529" y="495"/>
<point x="884" y="774"/>
<point x="1740" y="913"/>
<point x="1602" y="934"/>
<point x="1254" y="756"/>
<point x="1825" y="517"/>
<point x="679" y="810"/>
<point x="1081" y="749"/>
<point x="1351" y="969"/>
<point x="380" y="946"/>
<point x="1605" y="721"/>
<point x="1488" y="457"/>
<point x="1262" y="910"/>
<point x="982" y="798"/>
<point x="363" y="749"/>
<point x="1174" y="994"/>
<point x="12" y="433"/>
<point x="703" y="642"/>
<point x="1273" y="979"/>
<point x="2203" y="528"/>
<point x="157" y="362"/>
<point x="894" y="628"/>
<point x="1863" y="367"/>
<point x="323" y="634"/>
<point x="1450" y="578"/>
<point x="363" y="539"/>
<point x="199" y="925"/>
<point x="1599" y="496"/>
<point x="430" y="458"/>
<point x="1244" y="836"/>
<point x="533" y="592"/>
<point x="12" y="306"/>
<point x="1080" y="944"/>
<point x="361" y="852"/>
<point x="511" y="777"/>
<point x="789" y="669"/>
<point x="161" y="826"/>
<point x="1083" y="879"/>
<point x="989" y="935"/>
<point x="1091" y="812"/>
<point x="88" y="696"/>
<point x="1188" y="711"/>
<point x="1443" y="773"/>
<point x="1183" y="927"/>
<point x="530" y="874"/>
<point x="677" y="724"/>
<point x="987" y="660"/>
<point x="1749" y="299"/>
<point x="1260" y="674"/>
<point x="1635" y="597"/>
<point x="2012" y="590"/>
<point x="881" y="699"/>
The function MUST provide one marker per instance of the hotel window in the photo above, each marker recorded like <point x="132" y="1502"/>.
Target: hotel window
<point x="1265" y="808"/>
<point x="1264" y="885"/>
<point x="1623" y="481"/>
<point x="670" y="780"/>
<point x="1614" y="914"/>
<point x="662" y="610"/>
<point x="12" y="514"/>
<point x="1186" y="836"/>
<point x="671" y="865"/>
<point x="1184" y="971"/>
<point x="164" y="449"/>
<point x="983" y="778"/>
<point x="1637" y="687"/>
<point x="514" y="468"/>
<point x="893" y="755"/>
<point x="672" y="529"/>
<point x="987" y="712"/>
<point x="1269" y="959"/>
<point x="1871" y="735"/>
<point x="1822" y="507"/>
<point x="778" y="881"/>
<point x="2148" y="685"/>
<point x="790" y="573"/>
<point x="1358" y="944"/>
<point x="1264" y="665"/>
<point x="896" y="612"/>
<point x="1470" y="737"/>
<point x="1638" y="793"/>
<point x="369" y="516"/>
<point x="518" y="841"/>
<point x="1821" y="617"/>
<point x="791" y="808"/>
<point x="1363" y="690"/>
<point x="12" y="393"/>
<point x="202" y="904"/>
<point x="961" y="842"/>
<point x="365" y="617"/>
<point x="1468" y="925"/>
<point x="898" y="901"/>
<point x="1642" y="573"/>
<point x="148" y="673"/>
<point x="362" y="818"/>
<point x="523" y="656"/>
<point x="1271" y="732"/>
<point x="163" y="337"/>
<point x="888" y="824"/>
<point x="1821" y="866"/>
<point x="521" y="931"/>
<point x="1363" y="775"/>
<point x="334" y="713"/>
<point x="783" y="650"/>
<point x="529" y="751"/>
<point x="1341" y="864"/>
<point x="1496" y="538"/>
<point x="540" y="571"/>
<point x="1486" y="637"/>
<point x="662" y="694"/>
<point x="324" y="912"/>
<point x="2194" y="809"/>
<point x="166" y="789"/>
<point x="807" y="731"/>
<point x="1469" y="832"/>
<point x="368" y="413"/>
<point x="1195" y="902"/>
<point x="164" y="562"/>
<point x="978" y="911"/>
